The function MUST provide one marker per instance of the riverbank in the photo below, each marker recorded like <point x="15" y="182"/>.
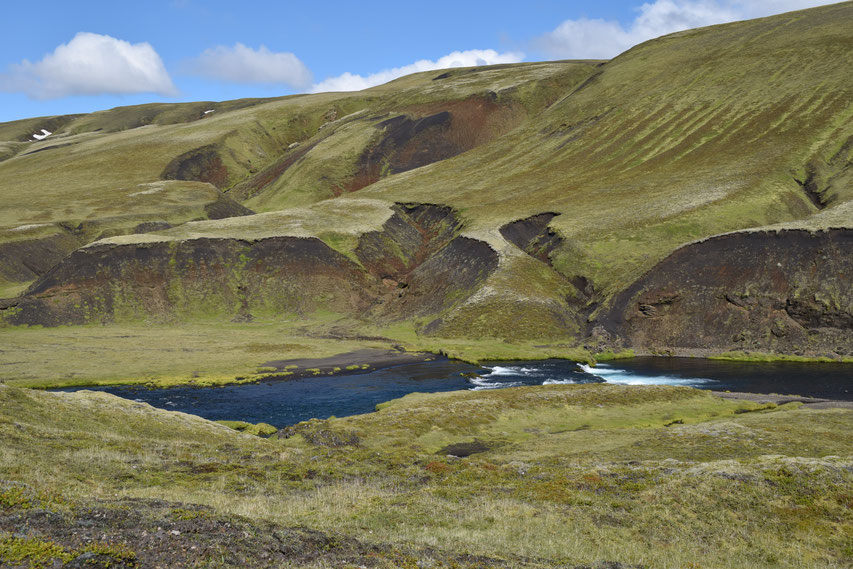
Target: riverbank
<point x="205" y="354"/>
<point x="777" y="399"/>
<point x="363" y="360"/>
<point x="198" y="354"/>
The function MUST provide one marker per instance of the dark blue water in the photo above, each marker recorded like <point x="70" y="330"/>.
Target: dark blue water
<point x="286" y="402"/>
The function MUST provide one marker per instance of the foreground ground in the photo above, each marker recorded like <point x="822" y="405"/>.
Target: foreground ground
<point x="566" y="476"/>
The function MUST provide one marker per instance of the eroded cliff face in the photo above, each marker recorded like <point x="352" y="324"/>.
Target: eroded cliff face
<point x="221" y="278"/>
<point x="431" y="133"/>
<point x="26" y="259"/>
<point x="418" y="264"/>
<point x="423" y="262"/>
<point x="29" y="251"/>
<point x="533" y="236"/>
<point x="788" y="291"/>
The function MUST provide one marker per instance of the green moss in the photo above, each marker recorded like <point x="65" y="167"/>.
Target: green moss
<point x="184" y="514"/>
<point x="259" y="430"/>
<point x="114" y="552"/>
<point x="609" y="355"/>
<point x="773" y="357"/>
<point x="36" y="553"/>
<point x="15" y="498"/>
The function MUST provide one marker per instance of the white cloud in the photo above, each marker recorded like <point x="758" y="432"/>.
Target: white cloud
<point x="90" y="64"/>
<point x="602" y="39"/>
<point x="469" y="58"/>
<point x="242" y="64"/>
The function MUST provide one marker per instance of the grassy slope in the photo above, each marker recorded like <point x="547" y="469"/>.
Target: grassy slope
<point x="129" y="157"/>
<point x="527" y="89"/>
<point x="682" y="137"/>
<point x="132" y="145"/>
<point x="565" y="475"/>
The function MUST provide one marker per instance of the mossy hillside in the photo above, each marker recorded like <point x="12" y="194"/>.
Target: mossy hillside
<point x="535" y="85"/>
<point x="680" y="138"/>
<point x="88" y="218"/>
<point x="258" y="430"/>
<point x="523" y="300"/>
<point x="558" y="475"/>
<point x="434" y="421"/>
<point x="330" y="217"/>
<point x="133" y="145"/>
<point x="331" y="163"/>
<point x="775" y="357"/>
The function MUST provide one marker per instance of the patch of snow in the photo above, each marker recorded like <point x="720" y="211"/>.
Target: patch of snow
<point x="209" y="111"/>
<point x="29" y="226"/>
<point x="153" y="188"/>
<point x="145" y="192"/>
<point x="293" y="145"/>
<point x="44" y="134"/>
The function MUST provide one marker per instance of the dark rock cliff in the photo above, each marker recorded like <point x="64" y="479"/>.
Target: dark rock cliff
<point x="418" y="264"/>
<point x="788" y="291"/>
<point x="26" y="259"/>
<point x="194" y="278"/>
<point x="425" y="265"/>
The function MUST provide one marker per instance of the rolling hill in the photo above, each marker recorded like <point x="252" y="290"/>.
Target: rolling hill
<point x="694" y="195"/>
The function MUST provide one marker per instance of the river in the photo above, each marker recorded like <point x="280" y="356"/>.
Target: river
<point x="284" y="402"/>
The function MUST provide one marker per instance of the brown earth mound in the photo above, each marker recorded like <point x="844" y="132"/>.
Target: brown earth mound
<point x="200" y="165"/>
<point x="428" y="134"/>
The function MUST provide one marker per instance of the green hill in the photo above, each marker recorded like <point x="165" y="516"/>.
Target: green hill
<point x="691" y="196"/>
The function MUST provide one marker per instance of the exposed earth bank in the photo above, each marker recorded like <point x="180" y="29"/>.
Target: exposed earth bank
<point x="786" y="291"/>
<point x="783" y="292"/>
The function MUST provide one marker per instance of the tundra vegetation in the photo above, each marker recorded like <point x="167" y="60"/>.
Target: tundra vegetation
<point x="692" y="196"/>
<point x="550" y="476"/>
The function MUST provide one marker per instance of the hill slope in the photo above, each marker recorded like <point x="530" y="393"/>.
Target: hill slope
<point x="531" y="204"/>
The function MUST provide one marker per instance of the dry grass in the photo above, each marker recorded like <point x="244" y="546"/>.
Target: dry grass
<point x="721" y="489"/>
<point x="159" y="354"/>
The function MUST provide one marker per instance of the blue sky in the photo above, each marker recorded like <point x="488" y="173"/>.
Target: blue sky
<point x="69" y="57"/>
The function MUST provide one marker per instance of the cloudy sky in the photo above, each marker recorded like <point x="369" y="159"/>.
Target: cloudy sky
<point x="60" y="57"/>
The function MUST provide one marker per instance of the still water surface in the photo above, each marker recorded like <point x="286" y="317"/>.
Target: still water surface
<point x="285" y="402"/>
